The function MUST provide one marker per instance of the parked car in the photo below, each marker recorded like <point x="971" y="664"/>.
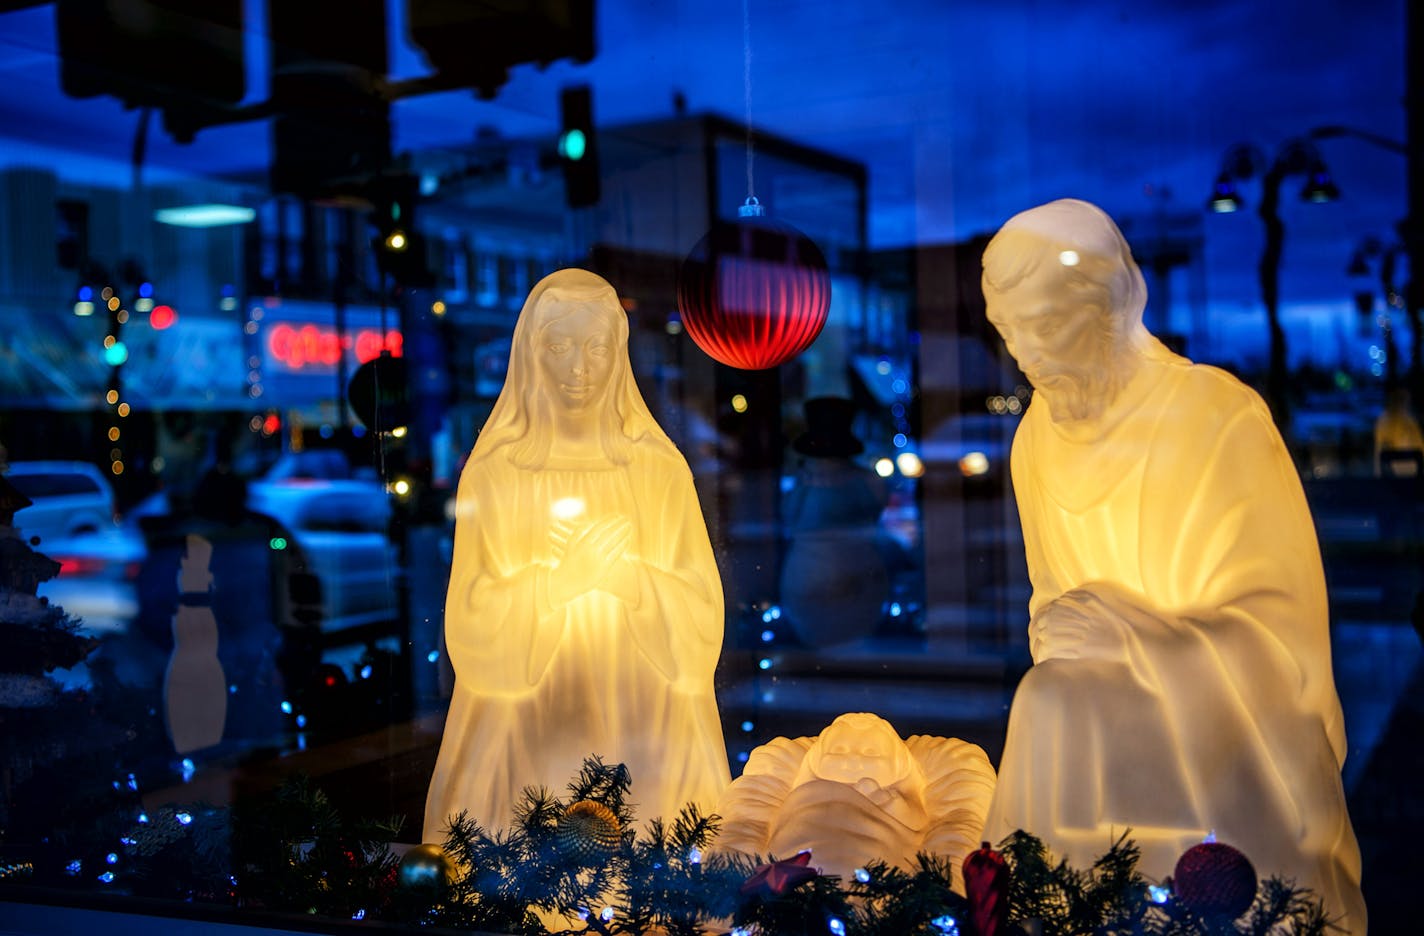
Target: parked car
<point x="70" y="497"/>
<point x="339" y="533"/>
<point x="339" y="539"/>
<point x="98" y="574"/>
<point x="975" y="444"/>
<point x="317" y="465"/>
<point x="342" y="530"/>
<point x="72" y="513"/>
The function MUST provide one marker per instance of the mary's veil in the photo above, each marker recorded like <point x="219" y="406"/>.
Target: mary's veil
<point x="522" y="417"/>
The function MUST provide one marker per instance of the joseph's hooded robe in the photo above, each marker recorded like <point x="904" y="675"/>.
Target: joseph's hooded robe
<point x="1182" y="527"/>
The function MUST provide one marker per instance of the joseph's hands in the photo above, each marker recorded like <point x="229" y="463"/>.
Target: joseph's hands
<point x="1076" y="626"/>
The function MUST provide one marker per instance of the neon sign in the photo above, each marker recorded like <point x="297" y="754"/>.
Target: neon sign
<point x="301" y="346"/>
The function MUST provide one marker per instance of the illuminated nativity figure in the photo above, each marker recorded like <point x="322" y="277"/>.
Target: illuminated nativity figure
<point x="857" y="793"/>
<point x="584" y="613"/>
<point x="1178" y="625"/>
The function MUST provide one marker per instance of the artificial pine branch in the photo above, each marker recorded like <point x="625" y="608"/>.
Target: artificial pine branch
<point x="48" y="640"/>
<point x="509" y="874"/>
<point x="181" y="850"/>
<point x="1281" y="903"/>
<point x="890" y="901"/>
<point x="487" y="893"/>
<point x="293" y="850"/>
<point x="537" y="811"/>
<point x="667" y="884"/>
<point x="692" y="829"/>
<point x="1112" y="898"/>
<point x="802" y="911"/>
<point x="1114" y="892"/>
<point x="462" y="839"/>
<point x="1037" y="888"/>
<point x="608" y="784"/>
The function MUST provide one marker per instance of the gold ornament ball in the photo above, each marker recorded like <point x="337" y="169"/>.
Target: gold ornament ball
<point x="426" y="868"/>
<point x="588" y="832"/>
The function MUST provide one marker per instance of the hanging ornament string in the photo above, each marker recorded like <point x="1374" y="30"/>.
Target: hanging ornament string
<point x="747" y="89"/>
<point x="754" y="292"/>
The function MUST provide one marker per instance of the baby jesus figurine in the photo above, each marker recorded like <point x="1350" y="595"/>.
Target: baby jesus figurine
<point x="858" y="793"/>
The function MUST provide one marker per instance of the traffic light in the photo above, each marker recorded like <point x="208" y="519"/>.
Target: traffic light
<point x="393" y="198"/>
<point x="474" y="44"/>
<point x="331" y="131"/>
<point x="183" y="56"/>
<point x="400" y="249"/>
<point x="578" y="147"/>
<point x="406" y="257"/>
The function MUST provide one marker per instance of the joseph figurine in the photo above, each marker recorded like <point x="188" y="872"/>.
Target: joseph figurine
<point x="1178" y="624"/>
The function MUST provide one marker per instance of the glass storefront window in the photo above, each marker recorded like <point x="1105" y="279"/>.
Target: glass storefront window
<point x="260" y="274"/>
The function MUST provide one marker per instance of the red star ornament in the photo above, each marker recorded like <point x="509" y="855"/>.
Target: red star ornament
<point x="779" y="877"/>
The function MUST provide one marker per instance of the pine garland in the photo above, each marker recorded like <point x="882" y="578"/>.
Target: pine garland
<point x="291" y="850"/>
<point x="890" y="900"/>
<point x="1113" y="895"/>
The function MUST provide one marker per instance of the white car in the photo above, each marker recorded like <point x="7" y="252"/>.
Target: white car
<point x="341" y="528"/>
<point x="97" y="581"/>
<point x="976" y="444"/>
<point x="72" y="513"/>
<point x="70" y="497"/>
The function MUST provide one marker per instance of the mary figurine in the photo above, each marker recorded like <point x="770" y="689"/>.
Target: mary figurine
<point x="584" y="614"/>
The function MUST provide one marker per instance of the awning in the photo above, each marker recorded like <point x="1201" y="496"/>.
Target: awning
<point x="51" y="360"/>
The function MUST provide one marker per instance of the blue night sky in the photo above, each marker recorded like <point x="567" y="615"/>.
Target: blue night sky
<point x="964" y="112"/>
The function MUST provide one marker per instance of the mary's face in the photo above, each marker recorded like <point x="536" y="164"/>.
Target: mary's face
<point x="575" y="352"/>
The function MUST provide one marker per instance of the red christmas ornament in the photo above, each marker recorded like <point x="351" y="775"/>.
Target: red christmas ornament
<point x="1214" y="880"/>
<point x="986" y="884"/>
<point x="778" y="877"/>
<point x="754" y="293"/>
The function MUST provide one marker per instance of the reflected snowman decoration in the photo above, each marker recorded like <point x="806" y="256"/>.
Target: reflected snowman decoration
<point x="194" y="685"/>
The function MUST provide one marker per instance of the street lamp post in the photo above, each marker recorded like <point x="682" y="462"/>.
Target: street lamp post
<point x="1242" y="162"/>
<point x="1371" y="248"/>
<point x="1411" y="241"/>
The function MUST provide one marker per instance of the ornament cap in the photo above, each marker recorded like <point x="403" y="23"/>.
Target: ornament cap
<point x="751" y="208"/>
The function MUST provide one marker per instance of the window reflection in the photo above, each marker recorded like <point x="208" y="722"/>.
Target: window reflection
<point x="230" y="416"/>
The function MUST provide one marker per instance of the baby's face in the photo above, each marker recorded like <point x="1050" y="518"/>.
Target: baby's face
<point x="850" y="754"/>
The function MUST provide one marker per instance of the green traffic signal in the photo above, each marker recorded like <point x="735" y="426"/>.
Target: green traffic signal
<point x="572" y="145"/>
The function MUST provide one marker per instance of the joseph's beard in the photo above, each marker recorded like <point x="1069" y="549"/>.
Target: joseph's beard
<point x="1080" y="395"/>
